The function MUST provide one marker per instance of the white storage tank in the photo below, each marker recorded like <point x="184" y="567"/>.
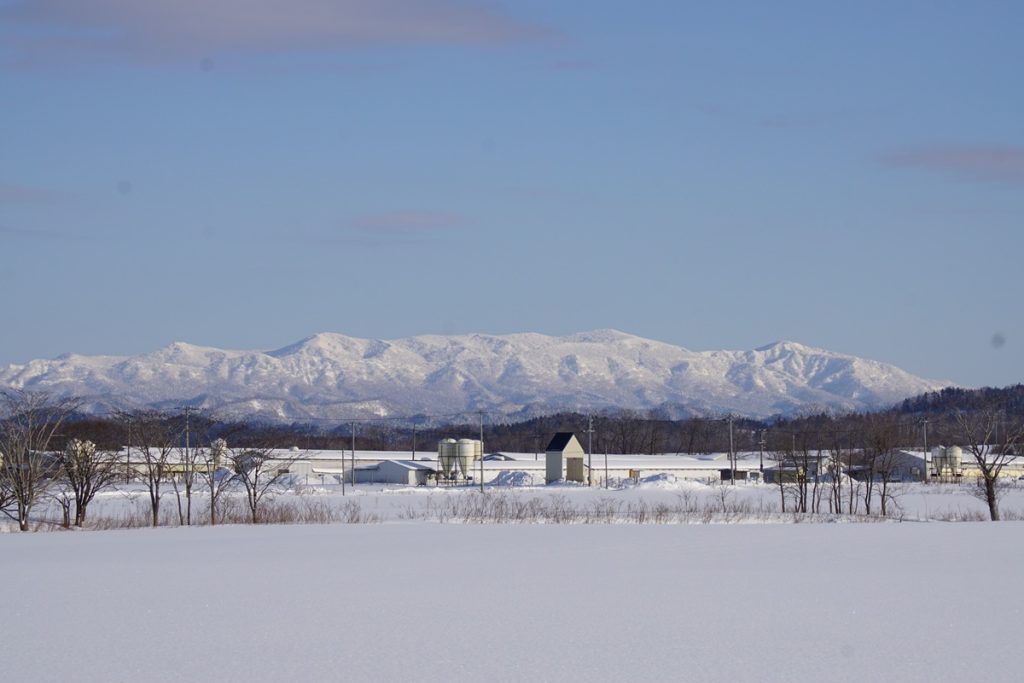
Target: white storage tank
<point x="469" y="450"/>
<point x="447" y="455"/>
<point x="938" y="459"/>
<point x="954" y="459"/>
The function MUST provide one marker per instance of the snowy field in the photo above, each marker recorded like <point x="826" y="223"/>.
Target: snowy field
<point x="678" y="500"/>
<point x="456" y="602"/>
<point x="713" y="584"/>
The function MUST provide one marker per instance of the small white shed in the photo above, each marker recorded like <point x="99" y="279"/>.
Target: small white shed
<point x="564" y="458"/>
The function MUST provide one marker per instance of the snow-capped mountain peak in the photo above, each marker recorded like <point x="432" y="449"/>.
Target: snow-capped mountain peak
<point x="333" y="375"/>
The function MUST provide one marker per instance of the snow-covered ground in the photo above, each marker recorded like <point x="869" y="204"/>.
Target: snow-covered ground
<point x="679" y="500"/>
<point x="444" y="602"/>
<point x="405" y="598"/>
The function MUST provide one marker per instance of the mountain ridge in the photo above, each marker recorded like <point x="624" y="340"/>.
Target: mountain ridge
<point x="331" y="375"/>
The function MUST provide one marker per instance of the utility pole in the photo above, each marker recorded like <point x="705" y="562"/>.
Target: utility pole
<point x="732" y="454"/>
<point x="414" y="442"/>
<point x="188" y="458"/>
<point x="342" y="471"/>
<point x="606" y="465"/>
<point x="760" y="443"/>
<point x="590" y="449"/>
<point x="924" y="422"/>
<point x="353" y="455"/>
<point x="128" y="461"/>
<point x="481" y="451"/>
<point x="188" y="411"/>
<point x="188" y="470"/>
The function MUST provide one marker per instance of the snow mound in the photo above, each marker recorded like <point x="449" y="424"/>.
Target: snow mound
<point x="668" y="482"/>
<point x="515" y="478"/>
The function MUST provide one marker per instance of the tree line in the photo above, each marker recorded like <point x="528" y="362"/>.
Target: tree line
<point x="50" y="451"/>
<point x="50" y="454"/>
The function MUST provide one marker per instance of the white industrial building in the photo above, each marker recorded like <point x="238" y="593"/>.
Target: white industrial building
<point x="463" y="461"/>
<point x="408" y="472"/>
<point x="517" y="469"/>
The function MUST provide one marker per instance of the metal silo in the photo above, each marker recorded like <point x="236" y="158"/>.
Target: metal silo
<point x="447" y="452"/>
<point x="954" y="459"/>
<point x="468" y="450"/>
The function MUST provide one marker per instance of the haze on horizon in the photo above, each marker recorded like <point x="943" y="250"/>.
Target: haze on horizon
<point x="243" y="175"/>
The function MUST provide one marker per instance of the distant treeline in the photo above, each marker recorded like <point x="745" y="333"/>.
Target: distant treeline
<point x="50" y="452"/>
<point x="951" y="399"/>
<point x="619" y="432"/>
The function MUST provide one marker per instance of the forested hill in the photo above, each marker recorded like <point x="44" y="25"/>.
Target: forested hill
<point x="617" y="431"/>
<point x="1008" y="399"/>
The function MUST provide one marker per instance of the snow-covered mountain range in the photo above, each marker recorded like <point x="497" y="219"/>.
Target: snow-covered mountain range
<point x="517" y="375"/>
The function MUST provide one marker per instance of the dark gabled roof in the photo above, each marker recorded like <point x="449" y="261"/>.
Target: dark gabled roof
<point x="559" y="441"/>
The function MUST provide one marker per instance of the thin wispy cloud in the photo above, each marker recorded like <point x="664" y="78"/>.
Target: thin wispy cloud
<point x="985" y="163"/>
<point x="392" y="229"/>
<point x="158" y="30"/>
<point x="13" y="193"/>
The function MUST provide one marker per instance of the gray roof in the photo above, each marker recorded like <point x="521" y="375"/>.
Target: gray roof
<point x="498" y="456"/>
<point x="414" y="464"/>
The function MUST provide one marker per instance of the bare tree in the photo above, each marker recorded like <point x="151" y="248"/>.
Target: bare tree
<point x="186" y="473"/>
<point x="801" y="456"/>
<point x="155" y="436"/>
<point x="190" y="460"/>
<point x="211" y="471"/>
<point x="881" y="438"/>
<point x="27" y="468"/>
<point x="87" y="471"/>
<point x="835" y="469"/>
<point x="64" y="497"/>
<point x="628" y="432"/>
<point x="786" y="471"/>
<point x="697" y="435"/>
<point x="992" y="442"/>
<point x="259" y="469"/>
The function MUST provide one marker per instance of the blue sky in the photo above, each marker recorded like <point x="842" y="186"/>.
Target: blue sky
<point x="715" y="175"/>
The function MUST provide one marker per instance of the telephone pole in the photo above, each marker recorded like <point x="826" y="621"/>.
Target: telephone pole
<point x="732" y="455"/>
<point x="481" y="451"/>
<point x="128" y="461"/>
<point x="189" y="464"/>
<point x="353" y="455"/>
<point x="188" y="457"/>
<point x="606" y="465"/>
<point x="188" y="412"/>
<point x="590" y="449"/>
<point x="761" y="457"/>
<point x="924" y="422"/>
